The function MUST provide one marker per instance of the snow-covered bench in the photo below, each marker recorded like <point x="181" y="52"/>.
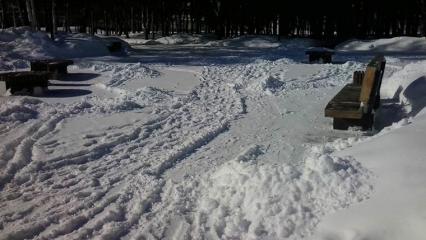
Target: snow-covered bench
<point x="34" y="83"/>
<point x="56" y="67"/>
<point x="354" y="105"/>
<point x="315" y="54"/>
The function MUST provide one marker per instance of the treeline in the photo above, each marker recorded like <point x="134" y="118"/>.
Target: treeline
<point x="327" y="19"/>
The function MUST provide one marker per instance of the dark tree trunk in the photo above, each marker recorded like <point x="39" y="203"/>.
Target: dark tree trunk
<point x="29" y="14"/>
<point x="34" y="15"/>
<point x="53" y="30"/>
<point x="2" y="10"/>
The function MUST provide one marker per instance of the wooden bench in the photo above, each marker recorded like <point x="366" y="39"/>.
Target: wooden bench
<point x="56" y="67"/>
<point x="317" y="54"/>
<point x="354" y="105"/>
<point x="33" y="83"/>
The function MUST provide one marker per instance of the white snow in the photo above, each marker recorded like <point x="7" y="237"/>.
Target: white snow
<point x="391" y="45"/>
<point x="18" y="45"/>
<point x="192" y="139"/>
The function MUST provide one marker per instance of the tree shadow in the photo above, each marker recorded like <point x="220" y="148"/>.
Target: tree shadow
<point x="79" y="77"/>
<point x="391" y="110"/>
<point x="66" y="93"/>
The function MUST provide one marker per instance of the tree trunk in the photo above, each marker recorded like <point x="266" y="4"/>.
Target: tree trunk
<point x="13" y="15"/>
<point x="2" y="23"/>
<point x="34" y="15"/>
<point x="29" y="13"/>
<point x="67" y="17"/>
<point x="132" y="26"/>
<point x="53" y="30"/>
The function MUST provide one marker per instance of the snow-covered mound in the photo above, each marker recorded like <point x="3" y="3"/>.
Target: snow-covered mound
<point x="396" y="208"/>
<point x="247" y="41"/>
<point x="397" y="44"/>
<point x="245" y="199"/>
<point x="20" y="44"/>
<point x="181" y="39"/>
<point x="176" y="39"/>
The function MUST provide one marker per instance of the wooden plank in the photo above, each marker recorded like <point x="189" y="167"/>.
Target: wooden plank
<point x="349" y="92"/>
<point x="367" y="84"/>
<point x="343" y="113"/>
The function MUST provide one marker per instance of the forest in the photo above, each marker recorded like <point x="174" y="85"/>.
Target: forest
<point x="325" y="19"/>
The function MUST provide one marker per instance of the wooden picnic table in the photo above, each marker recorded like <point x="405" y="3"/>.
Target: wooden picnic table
<point x="317" y="54"/>
<point x="26" y="82"/>
<point x="56" y="67"/>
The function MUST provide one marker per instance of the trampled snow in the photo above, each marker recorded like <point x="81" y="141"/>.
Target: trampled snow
<point x="140" y="147"/>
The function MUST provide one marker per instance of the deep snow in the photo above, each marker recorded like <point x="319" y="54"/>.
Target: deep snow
<point x="207" y="140"/>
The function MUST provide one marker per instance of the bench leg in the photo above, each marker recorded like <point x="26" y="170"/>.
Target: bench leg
<point x="367" y="122"/>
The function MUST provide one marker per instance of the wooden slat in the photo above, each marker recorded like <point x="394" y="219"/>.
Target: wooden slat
<point x="343" y="113"/>
<point x="348" y="93"/>
<point x="368" y="84"/>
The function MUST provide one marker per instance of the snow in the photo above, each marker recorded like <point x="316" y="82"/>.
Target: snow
<point x="395" y="210"/>
<point x="18" y="45"/>
<point x="391" y="45"/>
<point x="202" y="139"/>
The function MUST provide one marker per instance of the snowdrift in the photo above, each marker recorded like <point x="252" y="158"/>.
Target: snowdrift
<point x="206" y="40"/>
<point x="406" y="45"/>
<point x="17" y="45"/>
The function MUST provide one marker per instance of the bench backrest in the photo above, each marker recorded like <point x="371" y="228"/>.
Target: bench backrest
<point x="372" y="80"/>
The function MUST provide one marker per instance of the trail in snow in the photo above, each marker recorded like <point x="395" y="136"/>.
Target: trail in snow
<point x="83" y="181"/>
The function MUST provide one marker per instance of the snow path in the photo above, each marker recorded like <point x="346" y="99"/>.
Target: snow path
<point x="233" y="156"/>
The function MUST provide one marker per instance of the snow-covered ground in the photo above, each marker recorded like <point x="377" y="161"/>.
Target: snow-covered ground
<point x="197" y="139"/>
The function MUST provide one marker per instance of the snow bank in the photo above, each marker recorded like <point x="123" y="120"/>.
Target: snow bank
<point x="396" y="208"/>
<point x="248" y="198"/>
<point x="247" y="41"/>
<point x="176" y="39"/>
<point x="397" y="44"/>
<point x="17" y="45"/>
<point x="181" y="39"/>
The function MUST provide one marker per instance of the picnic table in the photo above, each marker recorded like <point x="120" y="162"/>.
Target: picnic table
<point x="317" y="54"/>
<point x="33" y="83"/>
<point x="56" y="67"/>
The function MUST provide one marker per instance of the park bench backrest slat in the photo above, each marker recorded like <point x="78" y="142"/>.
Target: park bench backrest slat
<point x="367" y="84"/>
<point x="372" y="80"/>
